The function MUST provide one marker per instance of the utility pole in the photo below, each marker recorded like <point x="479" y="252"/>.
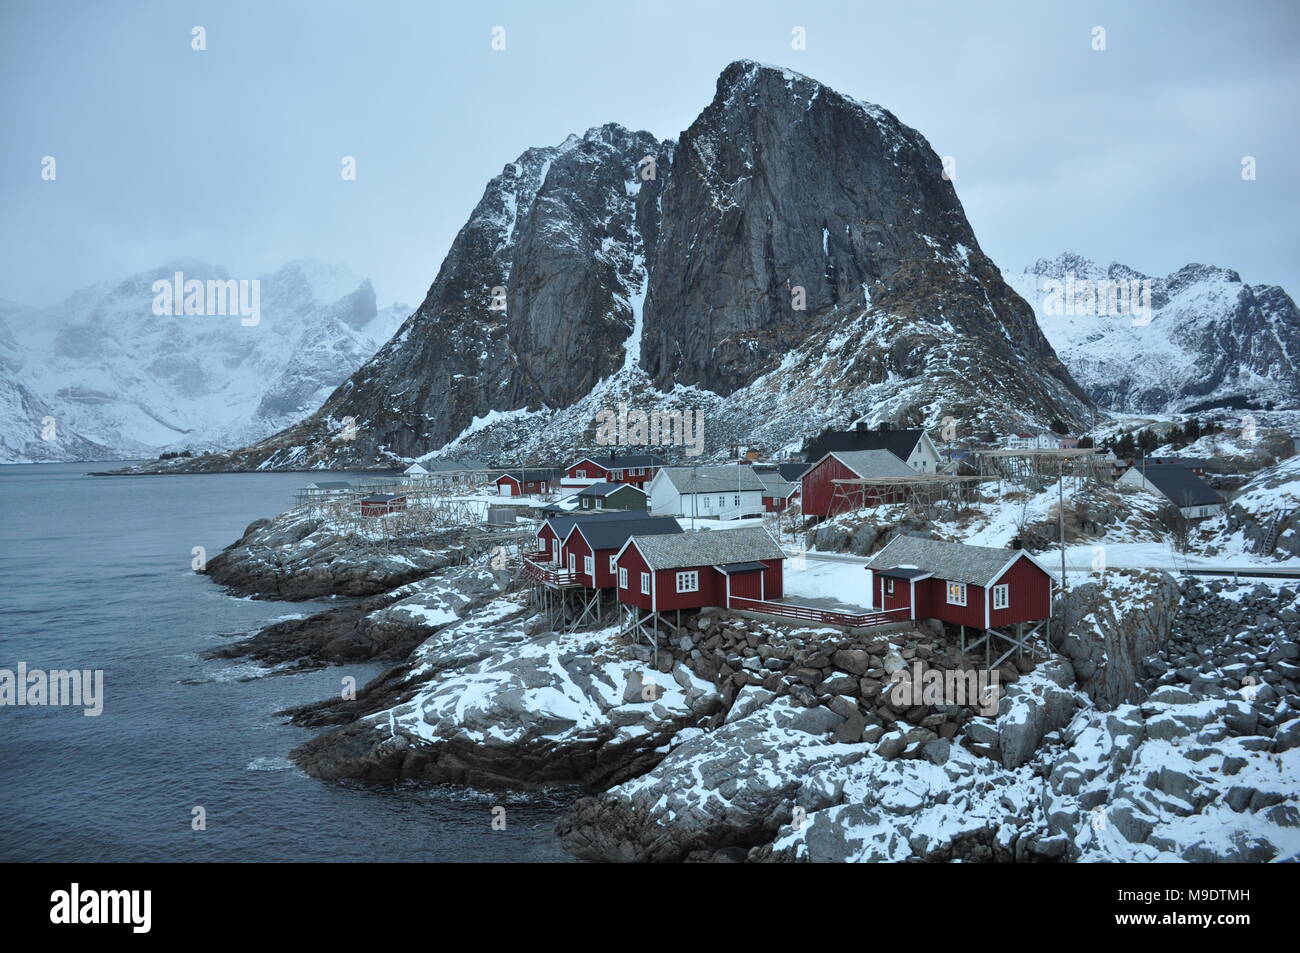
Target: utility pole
<point x="1060" y="514"/>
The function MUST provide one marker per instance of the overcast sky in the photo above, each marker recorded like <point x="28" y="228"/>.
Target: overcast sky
<point x="232" y="155"/>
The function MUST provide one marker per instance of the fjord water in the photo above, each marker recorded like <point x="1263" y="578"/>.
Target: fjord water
<point x="95" y="573"/>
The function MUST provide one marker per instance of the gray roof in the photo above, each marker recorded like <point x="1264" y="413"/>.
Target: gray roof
<point x="612" y="535"/>
<point x="605" y="489"/>
<point x="447" y="466"/>
<point x="382" y="498"/>
<point x="776" y="485"/>
<point x="714" y="547"/>
<point x="957" y="562"/>
<point x="332" y="485"/>
<point x="1181" y="486"/>
<point x="713" y="479"/>
<point x="873" y="463"/>
<point x="533" y="476"/>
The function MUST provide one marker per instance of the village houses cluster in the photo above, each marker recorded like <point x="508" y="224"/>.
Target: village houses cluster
<point x="627" y="530"/>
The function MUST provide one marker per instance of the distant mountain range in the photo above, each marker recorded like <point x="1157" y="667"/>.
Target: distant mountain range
<point x="795" y="259"/>
<point x="101" y="376"/>
<point x="1209" y="339"/>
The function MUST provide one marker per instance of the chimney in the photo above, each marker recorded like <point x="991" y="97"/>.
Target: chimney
<point x="883" y="426"/>
<point x="861" y="426"/>
<point x="1017" y="543"/>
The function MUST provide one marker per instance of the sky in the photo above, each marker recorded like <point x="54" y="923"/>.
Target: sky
<point x="233" y="154"/>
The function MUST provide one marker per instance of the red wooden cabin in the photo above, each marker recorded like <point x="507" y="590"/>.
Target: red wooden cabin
<point x="635" y="468"/>
<point x="551" y="534"/>
<point x="819" y="496"/>
<point x="591" y="548"/>
<point x="381" y="504"/>
<point x="526" y="482"/>
<point x="693" y="570"/>
<point x="979" y="587"/>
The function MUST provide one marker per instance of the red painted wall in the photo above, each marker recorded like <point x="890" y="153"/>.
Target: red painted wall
<point x="631" y="561"/>
<point x="1030" y="594"/>
<point x="593" y="471"/>
<point x="818" y="492"/>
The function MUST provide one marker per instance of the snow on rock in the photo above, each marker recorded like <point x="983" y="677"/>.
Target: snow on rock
<point x="491" y="703"/>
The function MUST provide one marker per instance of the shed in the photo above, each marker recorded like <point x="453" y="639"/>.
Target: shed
<point x="613" y="496"/>
<point x="702" y="568"/>
<point x="819" y="497"/>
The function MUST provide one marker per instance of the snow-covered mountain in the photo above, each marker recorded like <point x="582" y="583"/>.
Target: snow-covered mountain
<point x="120" y="381"/>
<point x="795" y="258"/>
<point x="1208" y="339"/>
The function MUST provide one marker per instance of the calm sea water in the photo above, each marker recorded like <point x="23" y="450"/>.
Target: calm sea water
<point x="95" y="574"/>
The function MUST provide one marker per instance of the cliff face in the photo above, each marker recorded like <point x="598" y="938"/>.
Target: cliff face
<point x="796" y="258"/>
<point x="784" y="184"/>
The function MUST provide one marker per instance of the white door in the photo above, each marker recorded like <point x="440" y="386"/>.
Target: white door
<point x="507" y="489"/>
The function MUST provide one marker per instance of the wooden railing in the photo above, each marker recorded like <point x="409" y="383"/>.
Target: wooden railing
<point x="822" y="616"/>
<point x="550" y="575"/>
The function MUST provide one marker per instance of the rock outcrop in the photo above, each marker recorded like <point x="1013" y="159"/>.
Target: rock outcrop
<point x="1109" y="626"/>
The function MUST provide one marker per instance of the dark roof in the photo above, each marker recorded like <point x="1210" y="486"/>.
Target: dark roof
<point x="621" y="461"/>
<point x="532" y="476"/>
<point x="957" y="562"/>
<point x="331" y="485"/>
<point x="714" y="547"/>
<point x="900" y="443"/>
<point x="613" y="535"/>
<point x="382" y="498"/>
<point x="901" y="573"/>
<point x="607" y="489"/>
<point x="1181" y="485"/>
<point x="560" y="525"/>
<point x="792" y="471"/>
<point x="730" y="568"/>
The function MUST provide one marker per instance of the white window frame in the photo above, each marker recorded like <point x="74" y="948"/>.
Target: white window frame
<point x="722" y="502"/>
<point x="737" y="499"/>
<point x="688" y="581"/>
<point x="588" y="566"/>
<point x="1002" y="596"/>
<point x="889" y="586"/>
<point x="613" y="563"/>
<point x="959" y="588"/>
<point x="645" y="584"/>
<point x="580" y="474"/>
<point x="573" y="562"/>
<point x="622" y="577"/>
<point x="600" y="503"/>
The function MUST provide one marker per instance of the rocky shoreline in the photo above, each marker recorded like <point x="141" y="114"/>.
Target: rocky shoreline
<point x="1165" y="726"/>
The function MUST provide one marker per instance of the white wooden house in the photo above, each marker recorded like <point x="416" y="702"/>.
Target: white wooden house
<point x="707" y="492"/>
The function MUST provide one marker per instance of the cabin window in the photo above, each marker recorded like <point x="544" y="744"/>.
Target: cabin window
<point x="1001" y="596"/>
<point x="573" y="563"/>
<point x="688" y="581"/>
<point x="588" y="565"/>
<point x="889" y="586"/>
<point x="645" y="584"/>
<point x="541" y="545"/>
<point x="616" y="474"/>
<point x="737" y="499"/>
<point x="622" y="578"/>
<point x="956" y="593"/>
<point x="722" y="501"/>
<point x="600" y="503"/>
<point x="613" y="564"/>
<point x="580" y="474"/>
